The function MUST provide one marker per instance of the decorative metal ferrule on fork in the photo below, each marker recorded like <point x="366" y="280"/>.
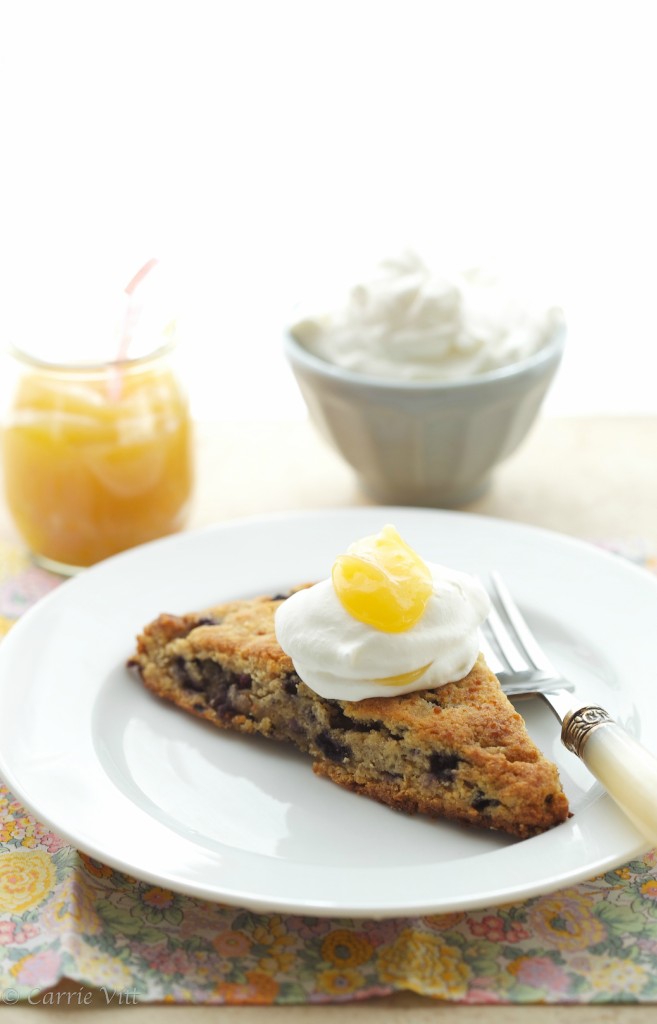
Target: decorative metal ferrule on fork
<point x="578" y="726"/>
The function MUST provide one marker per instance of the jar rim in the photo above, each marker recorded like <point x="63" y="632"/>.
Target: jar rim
<point x="68" y="366"/>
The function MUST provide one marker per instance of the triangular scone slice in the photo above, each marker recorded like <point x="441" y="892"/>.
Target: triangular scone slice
<point x="460" y="751"/>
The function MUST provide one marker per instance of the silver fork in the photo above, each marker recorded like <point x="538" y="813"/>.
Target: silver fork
<point x="626" y="769"/>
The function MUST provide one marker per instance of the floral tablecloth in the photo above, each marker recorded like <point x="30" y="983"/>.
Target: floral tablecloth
<point x="63" y="914"/>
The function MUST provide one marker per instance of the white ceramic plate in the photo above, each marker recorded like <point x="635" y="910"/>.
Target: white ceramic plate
<point x="142" y="786"/>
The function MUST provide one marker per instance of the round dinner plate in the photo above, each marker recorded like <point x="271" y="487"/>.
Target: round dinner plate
<point x="140" y="785"/>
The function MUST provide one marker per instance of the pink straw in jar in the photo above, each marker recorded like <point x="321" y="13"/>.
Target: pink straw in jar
<point x="131" y="316"/>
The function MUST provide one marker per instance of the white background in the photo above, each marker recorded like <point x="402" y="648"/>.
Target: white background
<point x="260" y="147"/>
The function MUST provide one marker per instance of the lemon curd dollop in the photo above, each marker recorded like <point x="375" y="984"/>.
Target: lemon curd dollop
<point x="385" y="623"/>
<point x="382" y="582"/>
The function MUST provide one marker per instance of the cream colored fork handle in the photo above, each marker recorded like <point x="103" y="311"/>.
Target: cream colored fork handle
<point x="626" y="769"/>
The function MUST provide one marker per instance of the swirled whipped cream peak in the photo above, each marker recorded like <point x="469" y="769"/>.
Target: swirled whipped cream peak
<point x="409" y="322"/>
<point x="385" y="623"/>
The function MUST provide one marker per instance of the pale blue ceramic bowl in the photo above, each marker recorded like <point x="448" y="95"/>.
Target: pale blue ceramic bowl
<point x="425" y="442"/>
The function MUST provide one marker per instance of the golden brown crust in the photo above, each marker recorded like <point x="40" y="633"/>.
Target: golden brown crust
<point x="460" y="751"/>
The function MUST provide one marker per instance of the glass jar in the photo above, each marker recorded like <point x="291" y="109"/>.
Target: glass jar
<point x="96" y="458"/>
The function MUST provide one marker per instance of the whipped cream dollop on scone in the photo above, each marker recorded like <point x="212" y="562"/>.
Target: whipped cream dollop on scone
<point x="385" y="623"/>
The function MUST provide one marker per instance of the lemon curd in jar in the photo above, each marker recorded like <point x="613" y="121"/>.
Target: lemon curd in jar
<point x="97" y="460"/>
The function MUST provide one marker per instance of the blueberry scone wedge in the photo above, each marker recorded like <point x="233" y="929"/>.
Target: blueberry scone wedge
<point x="459" y="751"/>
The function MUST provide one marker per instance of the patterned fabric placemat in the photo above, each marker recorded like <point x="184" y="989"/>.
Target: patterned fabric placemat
<point x="63" y="914"/>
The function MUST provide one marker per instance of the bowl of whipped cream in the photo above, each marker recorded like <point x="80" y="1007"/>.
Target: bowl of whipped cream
<point x="424" y="381"/>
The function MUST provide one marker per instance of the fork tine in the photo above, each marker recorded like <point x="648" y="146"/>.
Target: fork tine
<point x="506" y="647"/>
<point x="530" y="647"/>
<point x="497" y="646"/>
<point x="491" y="656"/>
